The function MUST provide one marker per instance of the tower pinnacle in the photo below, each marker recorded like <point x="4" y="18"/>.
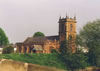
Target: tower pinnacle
<point x="75" y="17"/>
<point x="66" y="16"/>
<point x="60" y="17"/>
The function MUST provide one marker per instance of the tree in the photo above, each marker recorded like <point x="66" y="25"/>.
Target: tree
<point x="38" y="34"/>
<point x="8" y="50"/>
<point x="94" y="55"/>
<point x="76" y="61"/>
<point x="64" y="49"/>
<point x="3" y="38"/>
<point x="78" y="40"/>
<point x="73" y="61"/>
<point x="90" y="36"/>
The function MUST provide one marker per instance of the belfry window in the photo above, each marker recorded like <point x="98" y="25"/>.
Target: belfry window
<point x="62" y="28"/>
<point x="71" y="26"/>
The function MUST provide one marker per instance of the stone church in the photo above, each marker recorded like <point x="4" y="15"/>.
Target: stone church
<point x="67" y="31"/>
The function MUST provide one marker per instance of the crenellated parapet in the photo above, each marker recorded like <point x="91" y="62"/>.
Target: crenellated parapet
<point x="67" y="30"/>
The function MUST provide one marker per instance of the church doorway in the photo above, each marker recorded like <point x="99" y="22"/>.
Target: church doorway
<point x="34" y="51"/>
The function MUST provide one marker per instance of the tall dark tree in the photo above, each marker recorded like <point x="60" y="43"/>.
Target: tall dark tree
<point x="64" y="49"/>
<point x="90" y="36"/>
<point x="3" y="38"/>
<point x="38" y="34"/>
<point x="73" y="61"/>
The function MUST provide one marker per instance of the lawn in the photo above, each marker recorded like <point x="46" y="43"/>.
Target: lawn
<point x="51" y="60"/>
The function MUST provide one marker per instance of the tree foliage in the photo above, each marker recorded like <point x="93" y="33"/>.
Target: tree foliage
<point x="3" y="38"/>
<point x="78" y="40"/>
<point x="90" y="37"/>
<point x="38" y="34"/>
<point x="73" y="61"/>
<point x="8" y="50"/>
<point x="64" y="49"/>
<point x="76" y="61"/>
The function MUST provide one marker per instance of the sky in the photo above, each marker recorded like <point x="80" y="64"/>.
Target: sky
<point x="22" y="18"/>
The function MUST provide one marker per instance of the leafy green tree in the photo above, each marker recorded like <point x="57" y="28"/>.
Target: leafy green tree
<point x="64" y="49"/>
<point x="76" y="61"/>
<point x="94" y="55"/>
<point x="98" y="60"/>
<point x="90" y="36"/>
<point x="8" y="50"/>
<point x="78" y="40"/>
<point x="73" y="61"/>
<point x="3" y="38"/>
<point x="38" y="34"/>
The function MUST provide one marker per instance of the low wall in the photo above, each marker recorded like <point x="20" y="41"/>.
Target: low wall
<point x="91" y="69"/>
<point x="10" y="65"/>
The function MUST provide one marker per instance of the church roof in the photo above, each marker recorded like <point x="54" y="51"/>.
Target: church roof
<point x="23" y="44"/>
<point x="41" y="40"/>
<point x="52" y="37"/>
<point x="35" y="40"/>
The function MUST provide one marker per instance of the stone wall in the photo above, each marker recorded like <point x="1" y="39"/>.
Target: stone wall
<point x="91" y="69"/>
<point x="10" y="65"/>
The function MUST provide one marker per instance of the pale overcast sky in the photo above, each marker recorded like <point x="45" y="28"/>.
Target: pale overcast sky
<point x="22" y="18"/>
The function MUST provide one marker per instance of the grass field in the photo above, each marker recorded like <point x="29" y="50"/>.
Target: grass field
<point x="52" y="60"/>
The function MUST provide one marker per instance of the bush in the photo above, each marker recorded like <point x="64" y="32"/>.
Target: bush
<point x="8" y="50"/>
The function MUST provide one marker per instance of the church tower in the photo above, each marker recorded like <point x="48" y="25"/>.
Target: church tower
<point x="67" y="31"/>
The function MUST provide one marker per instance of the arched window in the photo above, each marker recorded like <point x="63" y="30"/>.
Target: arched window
<point x="71" y="27"/>
<point x="62" y="28"/>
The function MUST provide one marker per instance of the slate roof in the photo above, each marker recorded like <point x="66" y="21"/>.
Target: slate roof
<point x="26" y="44"/>
<point x="21" y="43"/>
<point x="34" y="40"/>
<point x="37" y="40"/>
<point x="41" y="40"/>
<point x="52" y="37"/>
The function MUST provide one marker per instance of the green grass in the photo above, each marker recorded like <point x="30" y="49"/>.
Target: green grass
<point x="52" y="60"/>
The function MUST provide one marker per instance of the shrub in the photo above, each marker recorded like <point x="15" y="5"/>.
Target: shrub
<point x="8" y="50"/>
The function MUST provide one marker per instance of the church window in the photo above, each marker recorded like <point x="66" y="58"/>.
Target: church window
<point x="62" y="27"/>
<point x="71" y="26"/>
